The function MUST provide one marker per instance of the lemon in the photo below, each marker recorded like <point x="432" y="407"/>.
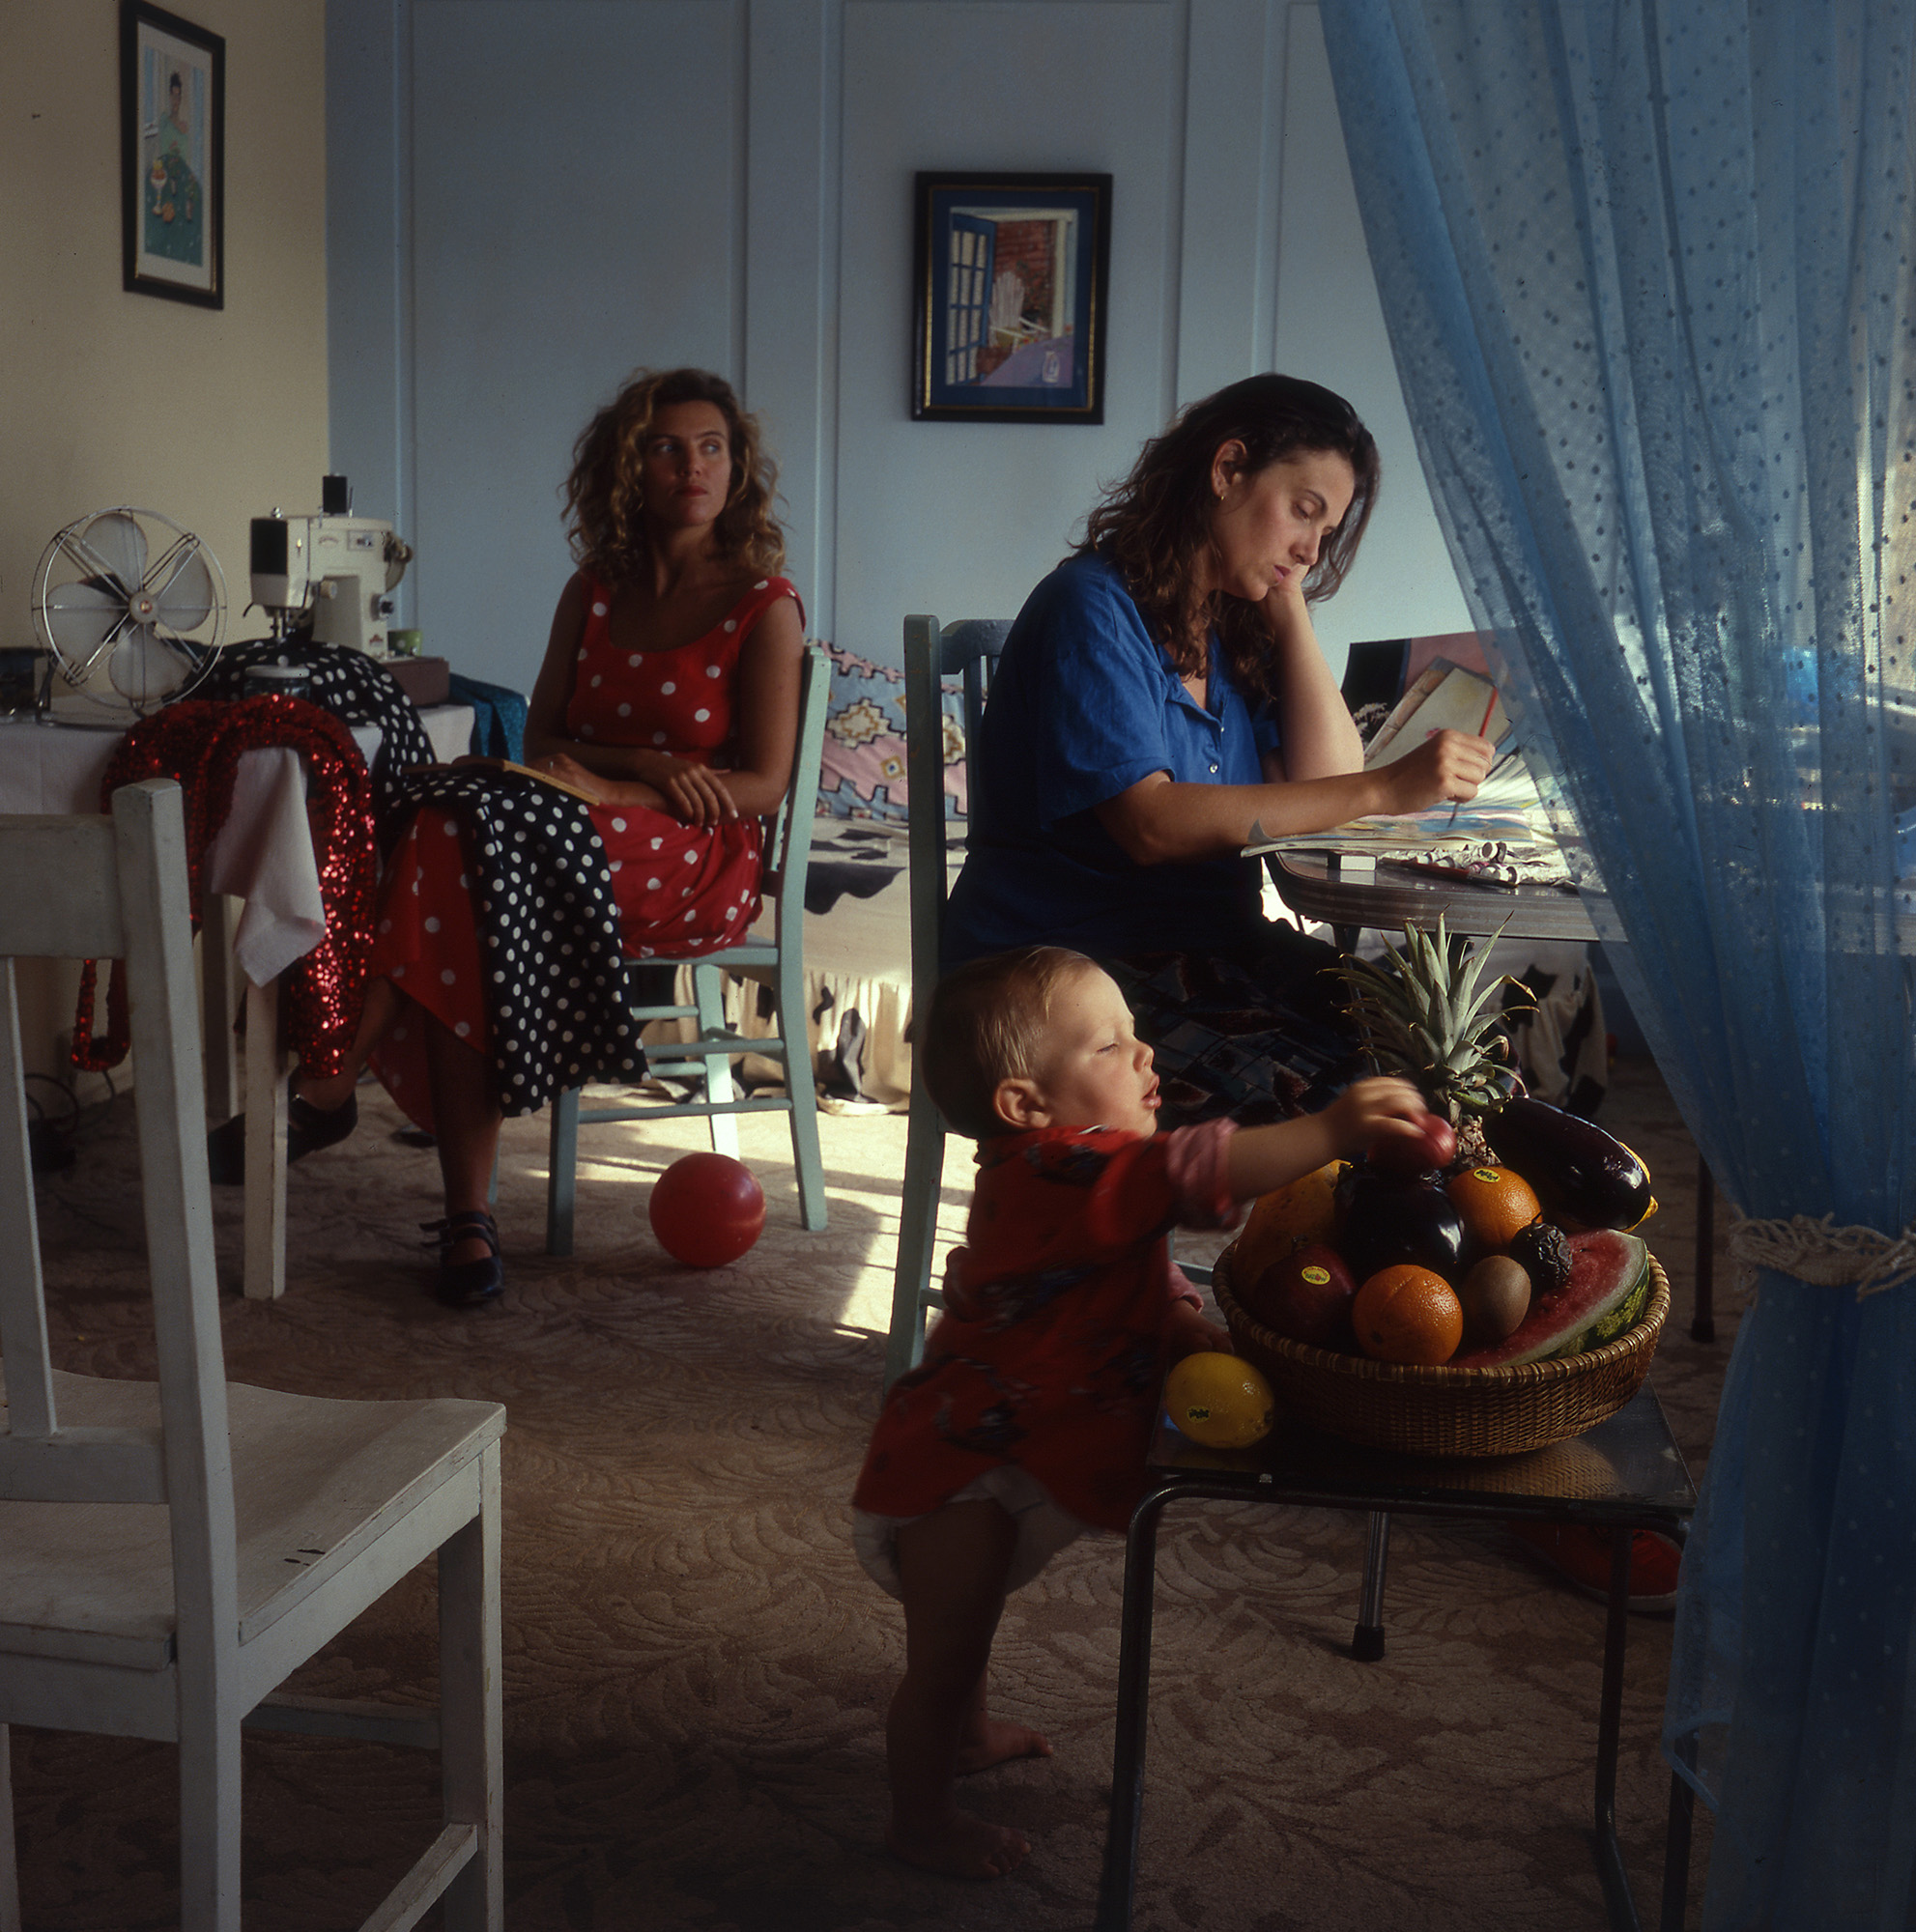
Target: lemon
<point x="1219" y="1401"/>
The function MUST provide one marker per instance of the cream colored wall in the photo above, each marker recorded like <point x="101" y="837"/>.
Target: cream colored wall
<point x="212" y="416"/>
<point x="209" y="415"/>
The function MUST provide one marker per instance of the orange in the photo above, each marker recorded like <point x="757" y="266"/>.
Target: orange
<point x="1496" y="1204"/>
<point x="1306" y="1210"/>
<point x="1406" y="1314"/>
<point x="1219" y="1401"/>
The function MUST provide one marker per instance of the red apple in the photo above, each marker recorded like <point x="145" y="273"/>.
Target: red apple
<point x="1305" y="1296"/>
<point x="1434" y="1145"/>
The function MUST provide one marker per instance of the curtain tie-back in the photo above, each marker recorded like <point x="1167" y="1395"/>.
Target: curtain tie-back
<point x="1825" y="1255"/>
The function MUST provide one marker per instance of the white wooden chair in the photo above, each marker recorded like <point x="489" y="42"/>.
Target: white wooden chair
<point x="230" y="1531"/>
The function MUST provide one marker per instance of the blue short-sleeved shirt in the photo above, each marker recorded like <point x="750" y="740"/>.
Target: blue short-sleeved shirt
<point x="1084" y="703"/>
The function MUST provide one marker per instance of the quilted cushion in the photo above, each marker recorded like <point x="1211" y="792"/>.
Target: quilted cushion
<point x="863" y="769"/>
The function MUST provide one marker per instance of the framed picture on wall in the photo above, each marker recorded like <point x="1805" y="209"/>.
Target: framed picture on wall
<point x="1012" y="278"/>
<point x="172" y="155"/>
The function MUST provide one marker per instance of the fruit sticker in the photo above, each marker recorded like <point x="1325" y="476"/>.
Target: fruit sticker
<point x="1316" y="1276"/>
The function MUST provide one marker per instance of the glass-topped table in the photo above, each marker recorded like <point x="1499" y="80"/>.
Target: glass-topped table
<point x="1624" y="1475"/>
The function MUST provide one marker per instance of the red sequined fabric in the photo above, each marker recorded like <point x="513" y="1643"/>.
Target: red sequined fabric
<point x="200" y="744"/>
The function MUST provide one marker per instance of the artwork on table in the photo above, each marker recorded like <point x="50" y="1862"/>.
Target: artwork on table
<point x="172" y="138"/>
<point x="1011" y="291"/>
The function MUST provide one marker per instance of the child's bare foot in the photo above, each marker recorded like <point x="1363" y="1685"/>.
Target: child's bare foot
<point x="962" y="1846"/>
<point x="995" y="1741"/>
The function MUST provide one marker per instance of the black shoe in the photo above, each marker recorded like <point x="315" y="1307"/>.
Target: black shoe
<point x="468" y="1284"/>
<point x="308" y="1128"/>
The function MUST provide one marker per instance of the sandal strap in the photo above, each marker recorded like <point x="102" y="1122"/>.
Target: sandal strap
<point x="469" y="1224"/>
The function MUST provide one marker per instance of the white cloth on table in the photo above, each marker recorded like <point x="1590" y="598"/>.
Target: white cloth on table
<point x="263" y="852"/>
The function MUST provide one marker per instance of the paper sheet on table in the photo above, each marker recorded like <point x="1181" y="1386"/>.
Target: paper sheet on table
<point x="1502" y="831"/>
<point x="1444" y="697"/>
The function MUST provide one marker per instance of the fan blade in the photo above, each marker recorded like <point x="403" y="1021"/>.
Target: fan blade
<point x="81" y="617"/>
<point x="144" y="666"/>
<point x="185" y="602"/>
<point x="120" y="545"/>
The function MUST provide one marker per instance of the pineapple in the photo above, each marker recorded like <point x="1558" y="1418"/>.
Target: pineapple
<point x="1428" y="1022"/>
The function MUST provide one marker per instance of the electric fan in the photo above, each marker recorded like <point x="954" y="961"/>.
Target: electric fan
<point x="131" y="607"/>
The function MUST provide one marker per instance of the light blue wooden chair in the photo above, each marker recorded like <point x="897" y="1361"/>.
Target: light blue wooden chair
<point x="931" y="653"/>
<point x="706" y="1061"/>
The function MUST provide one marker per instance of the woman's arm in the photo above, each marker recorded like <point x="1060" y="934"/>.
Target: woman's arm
<point x="546" y="744"/>
<point x="1157" y="821"/>
<point x="552" y="689"/>
<point x="765" y="690"/>
<point x="1319" y="739"/>
<point x="769" y="664"/>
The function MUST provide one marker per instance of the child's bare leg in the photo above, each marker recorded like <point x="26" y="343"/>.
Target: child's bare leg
<point x="990" y="1740"/>
<point x="952" y="1567"/>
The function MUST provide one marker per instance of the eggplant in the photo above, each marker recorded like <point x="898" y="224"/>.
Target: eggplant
<point x="1584" y="1176"/>
<point x="1391" y="1218"/>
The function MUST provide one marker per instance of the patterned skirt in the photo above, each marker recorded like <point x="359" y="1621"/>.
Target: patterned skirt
<point x="1257" y="1034"/>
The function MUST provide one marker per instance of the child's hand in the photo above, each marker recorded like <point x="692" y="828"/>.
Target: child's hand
<point x="1188" y="1333"/>
<point x="1375" y="1109"/>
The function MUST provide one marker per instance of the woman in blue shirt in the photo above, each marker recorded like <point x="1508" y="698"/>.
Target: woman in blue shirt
<point x="1161" y="690"/>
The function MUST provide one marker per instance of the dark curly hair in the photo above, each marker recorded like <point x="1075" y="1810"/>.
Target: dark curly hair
<point x="604" y="503"/>
<point x="1156" y="524"/>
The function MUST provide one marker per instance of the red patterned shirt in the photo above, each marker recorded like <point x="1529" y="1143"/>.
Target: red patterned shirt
<point x="1054" y="1341"/>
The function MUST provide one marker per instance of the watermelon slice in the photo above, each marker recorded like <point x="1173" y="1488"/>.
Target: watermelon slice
<point x="1606" y="1292"/>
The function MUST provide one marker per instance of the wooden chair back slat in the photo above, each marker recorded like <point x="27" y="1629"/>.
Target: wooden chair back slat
<point x="106" y="888"/>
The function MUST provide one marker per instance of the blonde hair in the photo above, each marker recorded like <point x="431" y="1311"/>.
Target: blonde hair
<point x="604" y="497"/>
<point x="986" y="1024"/>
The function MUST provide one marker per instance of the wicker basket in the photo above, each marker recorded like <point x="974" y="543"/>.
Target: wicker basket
<point x="1447" y="1411"/>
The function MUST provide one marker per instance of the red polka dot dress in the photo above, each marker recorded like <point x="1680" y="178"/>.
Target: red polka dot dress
<point x="681" y="890"/>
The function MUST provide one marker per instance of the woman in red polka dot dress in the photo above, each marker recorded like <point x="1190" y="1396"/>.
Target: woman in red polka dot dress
<point x="670" y="694"/>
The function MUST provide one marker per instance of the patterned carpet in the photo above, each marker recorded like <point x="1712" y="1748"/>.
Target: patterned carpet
<point x="696" y="1669"/>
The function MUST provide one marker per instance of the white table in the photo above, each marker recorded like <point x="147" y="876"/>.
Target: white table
<point x="263" y="856"/>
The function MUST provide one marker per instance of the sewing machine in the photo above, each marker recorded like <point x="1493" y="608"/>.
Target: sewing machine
<point x="332" y="574"/>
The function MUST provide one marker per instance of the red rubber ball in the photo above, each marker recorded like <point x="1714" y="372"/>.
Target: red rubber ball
<point x="707" y="1210"/>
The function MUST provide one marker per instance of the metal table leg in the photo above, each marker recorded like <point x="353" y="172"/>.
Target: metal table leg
<point x="1622" y="1908"/>
<point x="1118" y="1883"/>
<point x="1367" y="1640"/>
<point x="1677" y="1848"/>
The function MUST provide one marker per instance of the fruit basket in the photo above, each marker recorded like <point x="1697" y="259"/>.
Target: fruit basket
<point x="1447" y="1411"/>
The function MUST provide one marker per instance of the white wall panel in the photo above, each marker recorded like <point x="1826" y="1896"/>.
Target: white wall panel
<point x="529" y="197"/>
<point x="1228" y="236"/>
<point x="962" y="518"/>
<point x="1331" y="328"/>
<point x="576" y="211"/>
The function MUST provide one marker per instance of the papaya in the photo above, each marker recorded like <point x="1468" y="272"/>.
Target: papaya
<point x="1609" y="1286"/>
<point x="1584" y="1176"/>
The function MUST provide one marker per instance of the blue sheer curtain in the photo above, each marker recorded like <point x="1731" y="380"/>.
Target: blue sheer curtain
<point x="1651" y="276"/>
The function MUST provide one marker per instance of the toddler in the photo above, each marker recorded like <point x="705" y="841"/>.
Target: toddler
<point x="1028" y="1419"/>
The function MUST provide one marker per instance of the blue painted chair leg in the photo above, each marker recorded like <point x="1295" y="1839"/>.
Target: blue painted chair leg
<point x="918" y="1229"/>
<point x="802" y="1088"/>
<point x="719" y="1090"/>
<point x="561" y="1172"/>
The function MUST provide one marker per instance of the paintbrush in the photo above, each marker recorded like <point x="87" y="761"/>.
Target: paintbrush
<point x="1481" y="730"/>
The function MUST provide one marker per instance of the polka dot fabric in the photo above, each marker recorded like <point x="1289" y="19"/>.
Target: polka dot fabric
<point x="355" y="689"/>
<point x="508" y="909"/>
<point x="497" y="915"/>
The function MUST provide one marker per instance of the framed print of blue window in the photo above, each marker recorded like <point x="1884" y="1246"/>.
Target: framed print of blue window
<point x="1012" y="275"/>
